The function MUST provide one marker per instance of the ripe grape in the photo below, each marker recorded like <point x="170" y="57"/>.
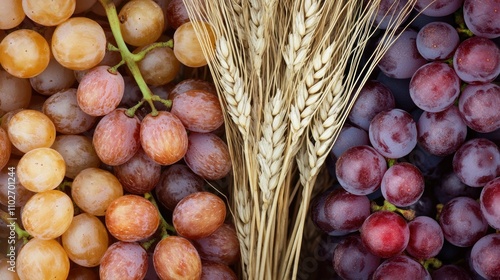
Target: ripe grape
<point x="438" y="8"/>
<point x="163" y="138"/>
<point x="53" y="79"/>
<point x="462" y="221"/>
<point x="222" y="246"/>
<point x="30" y="129"/>
<point x="49" y="12"/>
<point x="176" y="182"/>
<point x="5" y="272"/>
<point x="47" y="215"/>
<point x="450" y="271"/>
<point x="86" y="240"/>
<point x="481" y="17"/>
<point x="41" y="169"/>
<point x="177" y="12"/>
<point x="175" y="258"/>
<point x="478" y="105"/>
<point x="124" y="260"/>
<point x="63" y="110"/>
<point x="187" y="47"/>
<point x="360" y="170"/>
<point x="79" y="43"/>
<point x="477" y="60"/>
<point x="78" y="153"/>
<point x="434" y="87"/>
<point x="485" y="255"/>
<point x="12" y="14"/>
<point x="141" y="22"/>
<point x="15" y="93"/>
<point x="208" y="156"/>
<point x="93" y="190"/>
<point x="345" y="212"/>
<point x="402" y="184"/>
<point x="351" y="259"/>
<point x="42" y="259"/>
<point x="349" y="136"/>
<point x="393" y="133"/>
<point x="386" y="13"/>
<point x="437" y="40"/>
<point x="477" y="162"/>
<point x="385" y="234"/>
<point x="190" y="84"/>
<point x="5" y="147"/>
<point x="426" y="238"/>
<point x="159" y="66"/>
<point x="100" y="91"/>
<point x="139" y="174"/>
<point x="216" y="271"/>
<point x="199" y="215"/>
<point x="24" y="53"/>
<point x="441" y="133"/>
<point x="490" y="202"/>
<point x="401" y="267"/>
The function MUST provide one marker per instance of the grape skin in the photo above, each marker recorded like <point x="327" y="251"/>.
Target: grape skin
<point x="29" y="129"/>
<point x="481" y="17"/>
<point x="351" y="259"/>
<point x="187" y="47"/>
<point x="222" y="246"/>
<point x="402" y="184"/>
<point x="401" y="267"/>
<point x="485" y="255"/>
<point x="124" y="260"/>
<point x="437" y="40"/>
<point x="426" y="238"/>
<point x="489" y="201"/>
<point x="478" y="105"/>
<point x="477" y="60"/>
<point x="344" y="211"/>
<point x="42" y="259"/>
<point x="141" y="22"/>
<point x="438" y="8"/>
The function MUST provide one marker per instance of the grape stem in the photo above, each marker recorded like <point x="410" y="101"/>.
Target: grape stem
<point x="164" y="225"/>
<point x="21" y="233"/>
<point x="131" y="59"/>
<point x="408" y="214"/>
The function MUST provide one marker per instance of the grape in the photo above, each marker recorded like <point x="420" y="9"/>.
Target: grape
<point x="393" y="133"/>
<point x="462" y="221"/>
<point x="434" y="87"/>
<point x="490" y="202"/>
<point x="82" y="273"/>
<point x="41" y="169"/>
<point x="177" y="12"/>
<point x="318" y="215"/>
<point x="485" y="255"/>
<point x="449" y="272"/>
<point x="115" y="151"/>
<point x="63" y="110"/>
<point x="481" y="17"/>
<point x="360" y="169"/>
<point x="222" y="246"/>
<point x="386" y="13"/>
<point x="349" y="136"/>
<point x="15" y="93"/>
<point x="400" y="90"/>
<point x="139" y="174"/>
<point x="141" y="22"/>
<point x="402" y="58"/>
<point x="477" y="60"/>
<point x="438" y="8"/>
<point x="124" y="260"/>
<point x="30" y="129"/>
<point x="77" y="152"/>
<point x="208" y="156"/>
<point x="351" y="259"/>
<point x="190" y="84"/>
<point x="441" y="133"/>
<point x="12" y="14"/>
<point x="86" y="240"/>
<point x="385" y="234"/>
<point x="100" y="91"/>
<point x="5" y="147"/>
<point x="49" y="12"/>
<point x="22" y="195"/>
<point x="437" y="40"/>
<point x="42" y="259"/>
<point x="79" y="43"/>
<point x="450" y="187"/>
<point x="216" y="271"/>
<point x="402" y="184"/>
<point x="478" y="105"/>
<point x="159" y="66"/>
<point x="5" y="272"/>
<point x="53" y="79"/>
<point x="47" y="215"/>
<point x="176" y="182"/>
<point x="345" y="212"/>
<point x="163" y="138"/>
<point x="187" y="47"/>
<point x="198" y="215"/>
<point x="24" y="53"/>
<point x="477" y="162"/>
<point x="93" y="190"/>
<point x="373" y="98"/>
<point x="426" y="238"/>
<point x="175" y="257"/>
<point x="401" y="267"/>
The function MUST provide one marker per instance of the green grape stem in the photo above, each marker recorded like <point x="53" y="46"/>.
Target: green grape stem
<point x="164" y="225"/>
<point x="408" y="214"/>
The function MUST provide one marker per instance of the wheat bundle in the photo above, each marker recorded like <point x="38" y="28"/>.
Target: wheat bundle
<point x="287" y="73"/>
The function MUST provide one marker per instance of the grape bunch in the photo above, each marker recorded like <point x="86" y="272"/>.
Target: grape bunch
<point x="113" y="155"/>
<point x="416" y="167"/>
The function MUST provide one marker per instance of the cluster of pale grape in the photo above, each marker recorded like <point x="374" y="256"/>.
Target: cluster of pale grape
<point x="417" y="165"/>
<point x="90" y="162"/>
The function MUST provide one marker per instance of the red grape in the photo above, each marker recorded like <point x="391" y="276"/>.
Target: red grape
<point x="481" y="17"/>
<point x="403" y="184"/>
<point x="124" y="260"/>
<point x="401" y="267"/>
<point x="485" y="255"/>
<point x="437" y="40"/>
<point x="477" y="60"/>
<point x="344" y="211"/>
<point x="139" y="174"/>
<point x="176" y="258"/>
<point x="490" y="202"/>
<point x="351" y="259"/>
<point x="385" y="234"/>
<point x="478" y="105"/>
<point x="216" y="271"/>
<point x="222" y="246"/>
<point x="426" y="238"/>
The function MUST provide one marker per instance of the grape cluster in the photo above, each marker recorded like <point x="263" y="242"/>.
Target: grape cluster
<point x="112" y="144"/>
<point x="416" y="167"/>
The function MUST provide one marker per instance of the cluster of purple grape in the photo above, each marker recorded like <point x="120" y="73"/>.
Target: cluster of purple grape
<point x="417" y="164"/>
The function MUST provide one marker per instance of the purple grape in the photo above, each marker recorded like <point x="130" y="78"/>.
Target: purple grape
<point x="402" y="58"/>
<point x="402" y="184"/>
<point x="349" y="136"/>
<point x="426" y="238"/>
<point x="490" y="202"/>
<point x="477" y="60"/>
<point x="477" y="162"/>
<point x="481" y="17"/>
<point x="360" y="169"/>
<point x="393" y="133"/>
<point x="450" y="187"/>
<point x="351" y="259"/>
<point x="401" y="267"/>
<point x="441" y="133"/>
<point x="373" y="98"/>
<point x="485" y="256"/>
<point x="437" y="40"/>
<point x="400" y="91"/>
<point x="317" y="211"/>
<point x="434" y="87"/>
<point x="478" y="105"/>
<point x="385" y="234"/>
<point x="462" y="221"/>
<point x="438" y="8"/>
<point x="450" y="272"/>
<point x="346" y="212"/>
<point x="387" y="11"/>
